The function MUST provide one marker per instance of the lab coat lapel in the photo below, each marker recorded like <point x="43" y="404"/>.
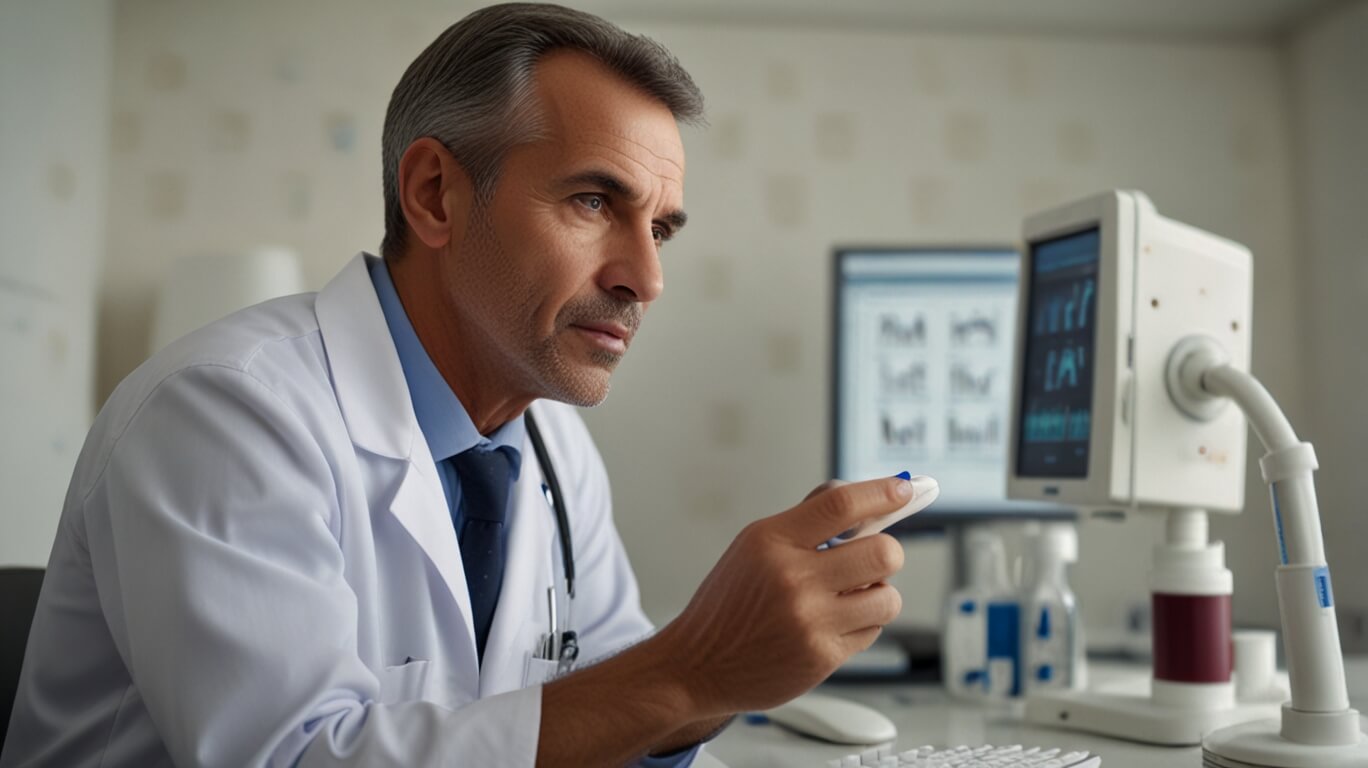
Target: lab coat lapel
<point x="521" y="616"/>
<point x="374" y="399"/>
<point x="420" y="506"/>
<point x="367" y="376"/>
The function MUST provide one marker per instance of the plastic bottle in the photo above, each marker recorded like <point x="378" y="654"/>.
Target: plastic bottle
<point x="1051" y="636"/>
<point x="974" y="619"/>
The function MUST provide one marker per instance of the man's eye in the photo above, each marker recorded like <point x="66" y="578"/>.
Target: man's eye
<point x="660" y="235"/>
<point x="594" y="203"/>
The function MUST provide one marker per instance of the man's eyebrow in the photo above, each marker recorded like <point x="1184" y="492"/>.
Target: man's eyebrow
<point x="616" y="186"/>
<point x="603" y="180"/>
<point x="676" y="220"/>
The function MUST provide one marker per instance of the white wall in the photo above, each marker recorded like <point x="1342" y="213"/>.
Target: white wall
<point x="819" y="139"/>
<point x="54" y="112"/>
<point x="1329" y="59"/>
<point x="248" y="122"/>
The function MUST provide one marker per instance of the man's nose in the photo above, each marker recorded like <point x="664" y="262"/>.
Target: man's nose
<point x="633" y="271"/>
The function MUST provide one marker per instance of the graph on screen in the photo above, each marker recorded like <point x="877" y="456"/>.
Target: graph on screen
<point x="923" y="369"/>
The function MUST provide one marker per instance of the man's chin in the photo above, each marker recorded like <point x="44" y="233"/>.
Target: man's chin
<point x="575" y="375"/>
<point x="585" y="385"/>
<point x="582" y="396"/>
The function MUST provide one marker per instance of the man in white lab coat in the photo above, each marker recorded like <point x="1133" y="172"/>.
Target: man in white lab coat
<point x="315" y="532"/>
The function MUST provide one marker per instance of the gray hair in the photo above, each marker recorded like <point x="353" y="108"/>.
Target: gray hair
<point x="472" y="89"/>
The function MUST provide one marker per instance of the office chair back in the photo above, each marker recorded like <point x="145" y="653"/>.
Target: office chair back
<point x="18" y="600"/>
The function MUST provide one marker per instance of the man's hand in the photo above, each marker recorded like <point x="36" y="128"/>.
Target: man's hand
<point x="776" y="616"/>
<point x="773" y="619"/>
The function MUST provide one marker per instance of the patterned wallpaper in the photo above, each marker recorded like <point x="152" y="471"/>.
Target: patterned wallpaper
<point x="237" y="124"/>
<point x="52" y="208"/>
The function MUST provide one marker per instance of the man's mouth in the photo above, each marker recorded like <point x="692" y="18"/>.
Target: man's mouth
<point x="609" y="336"/>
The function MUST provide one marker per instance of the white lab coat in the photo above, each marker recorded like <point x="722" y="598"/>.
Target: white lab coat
<point x="256" y="565"/>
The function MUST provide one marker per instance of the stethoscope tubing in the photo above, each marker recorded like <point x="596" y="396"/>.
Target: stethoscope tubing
<point x="557" y="502"/>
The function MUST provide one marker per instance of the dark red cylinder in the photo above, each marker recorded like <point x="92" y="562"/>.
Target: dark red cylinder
<point x="1192" y="638"/>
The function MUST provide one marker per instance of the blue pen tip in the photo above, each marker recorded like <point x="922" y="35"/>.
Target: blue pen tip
<point x="904" y="475"/>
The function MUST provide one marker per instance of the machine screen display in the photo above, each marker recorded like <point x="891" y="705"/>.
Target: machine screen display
<point x="1061" y="333"/>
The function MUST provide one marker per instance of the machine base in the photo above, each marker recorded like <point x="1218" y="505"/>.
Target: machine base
<point x="1137" y="717"/>
<point x="1261" y="745"/>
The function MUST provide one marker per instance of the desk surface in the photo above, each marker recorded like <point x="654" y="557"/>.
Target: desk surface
<point x="924" y="714"/>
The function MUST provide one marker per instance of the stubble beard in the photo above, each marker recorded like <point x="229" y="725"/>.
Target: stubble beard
<point x="544" y="369"/>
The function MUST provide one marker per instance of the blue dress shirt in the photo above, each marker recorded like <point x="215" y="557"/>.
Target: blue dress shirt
<point x="448" y="430"/>
<point x="446" y="426"/>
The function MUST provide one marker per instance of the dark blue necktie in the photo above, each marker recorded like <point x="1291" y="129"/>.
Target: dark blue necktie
<point x="485" y="484"/>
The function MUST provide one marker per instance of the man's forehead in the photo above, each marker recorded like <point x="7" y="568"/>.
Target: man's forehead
<point x="585" y="103"/>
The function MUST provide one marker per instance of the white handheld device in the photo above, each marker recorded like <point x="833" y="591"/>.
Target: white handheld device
<point x="925" y="490"/>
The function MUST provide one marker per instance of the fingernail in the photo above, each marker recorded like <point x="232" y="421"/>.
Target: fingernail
<point x="905" y="488"/>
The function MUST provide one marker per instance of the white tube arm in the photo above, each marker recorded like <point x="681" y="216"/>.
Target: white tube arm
<point x="1287" y="467"/>
<point x="1265" y="417"/>
<point x="1315" y="663"/>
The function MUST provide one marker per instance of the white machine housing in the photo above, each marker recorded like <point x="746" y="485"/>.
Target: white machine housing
<point x="1141" y="313"/>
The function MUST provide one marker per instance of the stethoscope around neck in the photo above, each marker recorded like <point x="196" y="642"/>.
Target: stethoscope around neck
<point x="566" y="641"/>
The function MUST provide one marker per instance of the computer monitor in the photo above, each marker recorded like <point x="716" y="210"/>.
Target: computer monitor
<point x="922" y="349"/>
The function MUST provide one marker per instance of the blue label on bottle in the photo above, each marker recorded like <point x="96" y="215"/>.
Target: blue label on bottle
<point x="1044" y="672"/>
<point x="1324" y="594"/>
<point x="1043" y="628"/>
<point x="1004" y="638"/>
<point x="967" y="606"/>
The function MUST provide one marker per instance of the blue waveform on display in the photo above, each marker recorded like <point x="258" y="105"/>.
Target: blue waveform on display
<point x="1080" y="424"/>
<point x="1063" y="312"/>
<point x="1056" y="425"/>
<point x="1062" y="366"/>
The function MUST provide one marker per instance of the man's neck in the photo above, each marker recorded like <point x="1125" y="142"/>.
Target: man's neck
<point x="467" y="366"/>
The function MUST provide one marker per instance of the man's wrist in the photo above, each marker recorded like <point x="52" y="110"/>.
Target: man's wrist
<point x="636" y="701"/>
<point x="667" y="672"/>
<point x="691" y="736"/>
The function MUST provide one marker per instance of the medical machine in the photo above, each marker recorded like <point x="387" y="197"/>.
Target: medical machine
<point x="921" y="364"/>
<point x="1133" y="338"/>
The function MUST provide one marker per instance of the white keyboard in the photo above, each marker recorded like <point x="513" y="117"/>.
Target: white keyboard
<point x="986" y="756"/>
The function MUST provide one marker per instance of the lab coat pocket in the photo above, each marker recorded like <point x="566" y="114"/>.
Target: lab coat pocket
<point x="423" y="680"/>
<point x="538" y="671"/>
<point x="406" y="682"/>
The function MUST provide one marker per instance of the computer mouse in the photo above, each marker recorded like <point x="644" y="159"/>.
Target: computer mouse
<point x="836" y="720"/>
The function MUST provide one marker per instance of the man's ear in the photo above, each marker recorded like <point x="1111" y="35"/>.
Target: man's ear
<point x="434" y="191"/>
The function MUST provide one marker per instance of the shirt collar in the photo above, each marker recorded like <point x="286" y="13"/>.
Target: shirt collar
<point x="443" y="420"/>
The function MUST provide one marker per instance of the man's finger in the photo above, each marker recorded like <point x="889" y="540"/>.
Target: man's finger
<point x="860" y="639"/>
<point x="873" y="606"/>
<point x="824" y="515"/>
<point x="828" y="485"/>
<point x="861" y="562"/>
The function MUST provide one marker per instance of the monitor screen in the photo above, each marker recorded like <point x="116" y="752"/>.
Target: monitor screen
<point x="922" y="354"/>
<point x="1057" y="391"/>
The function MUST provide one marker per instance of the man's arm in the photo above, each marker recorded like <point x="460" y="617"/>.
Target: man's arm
<point x="773" y="619"/>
